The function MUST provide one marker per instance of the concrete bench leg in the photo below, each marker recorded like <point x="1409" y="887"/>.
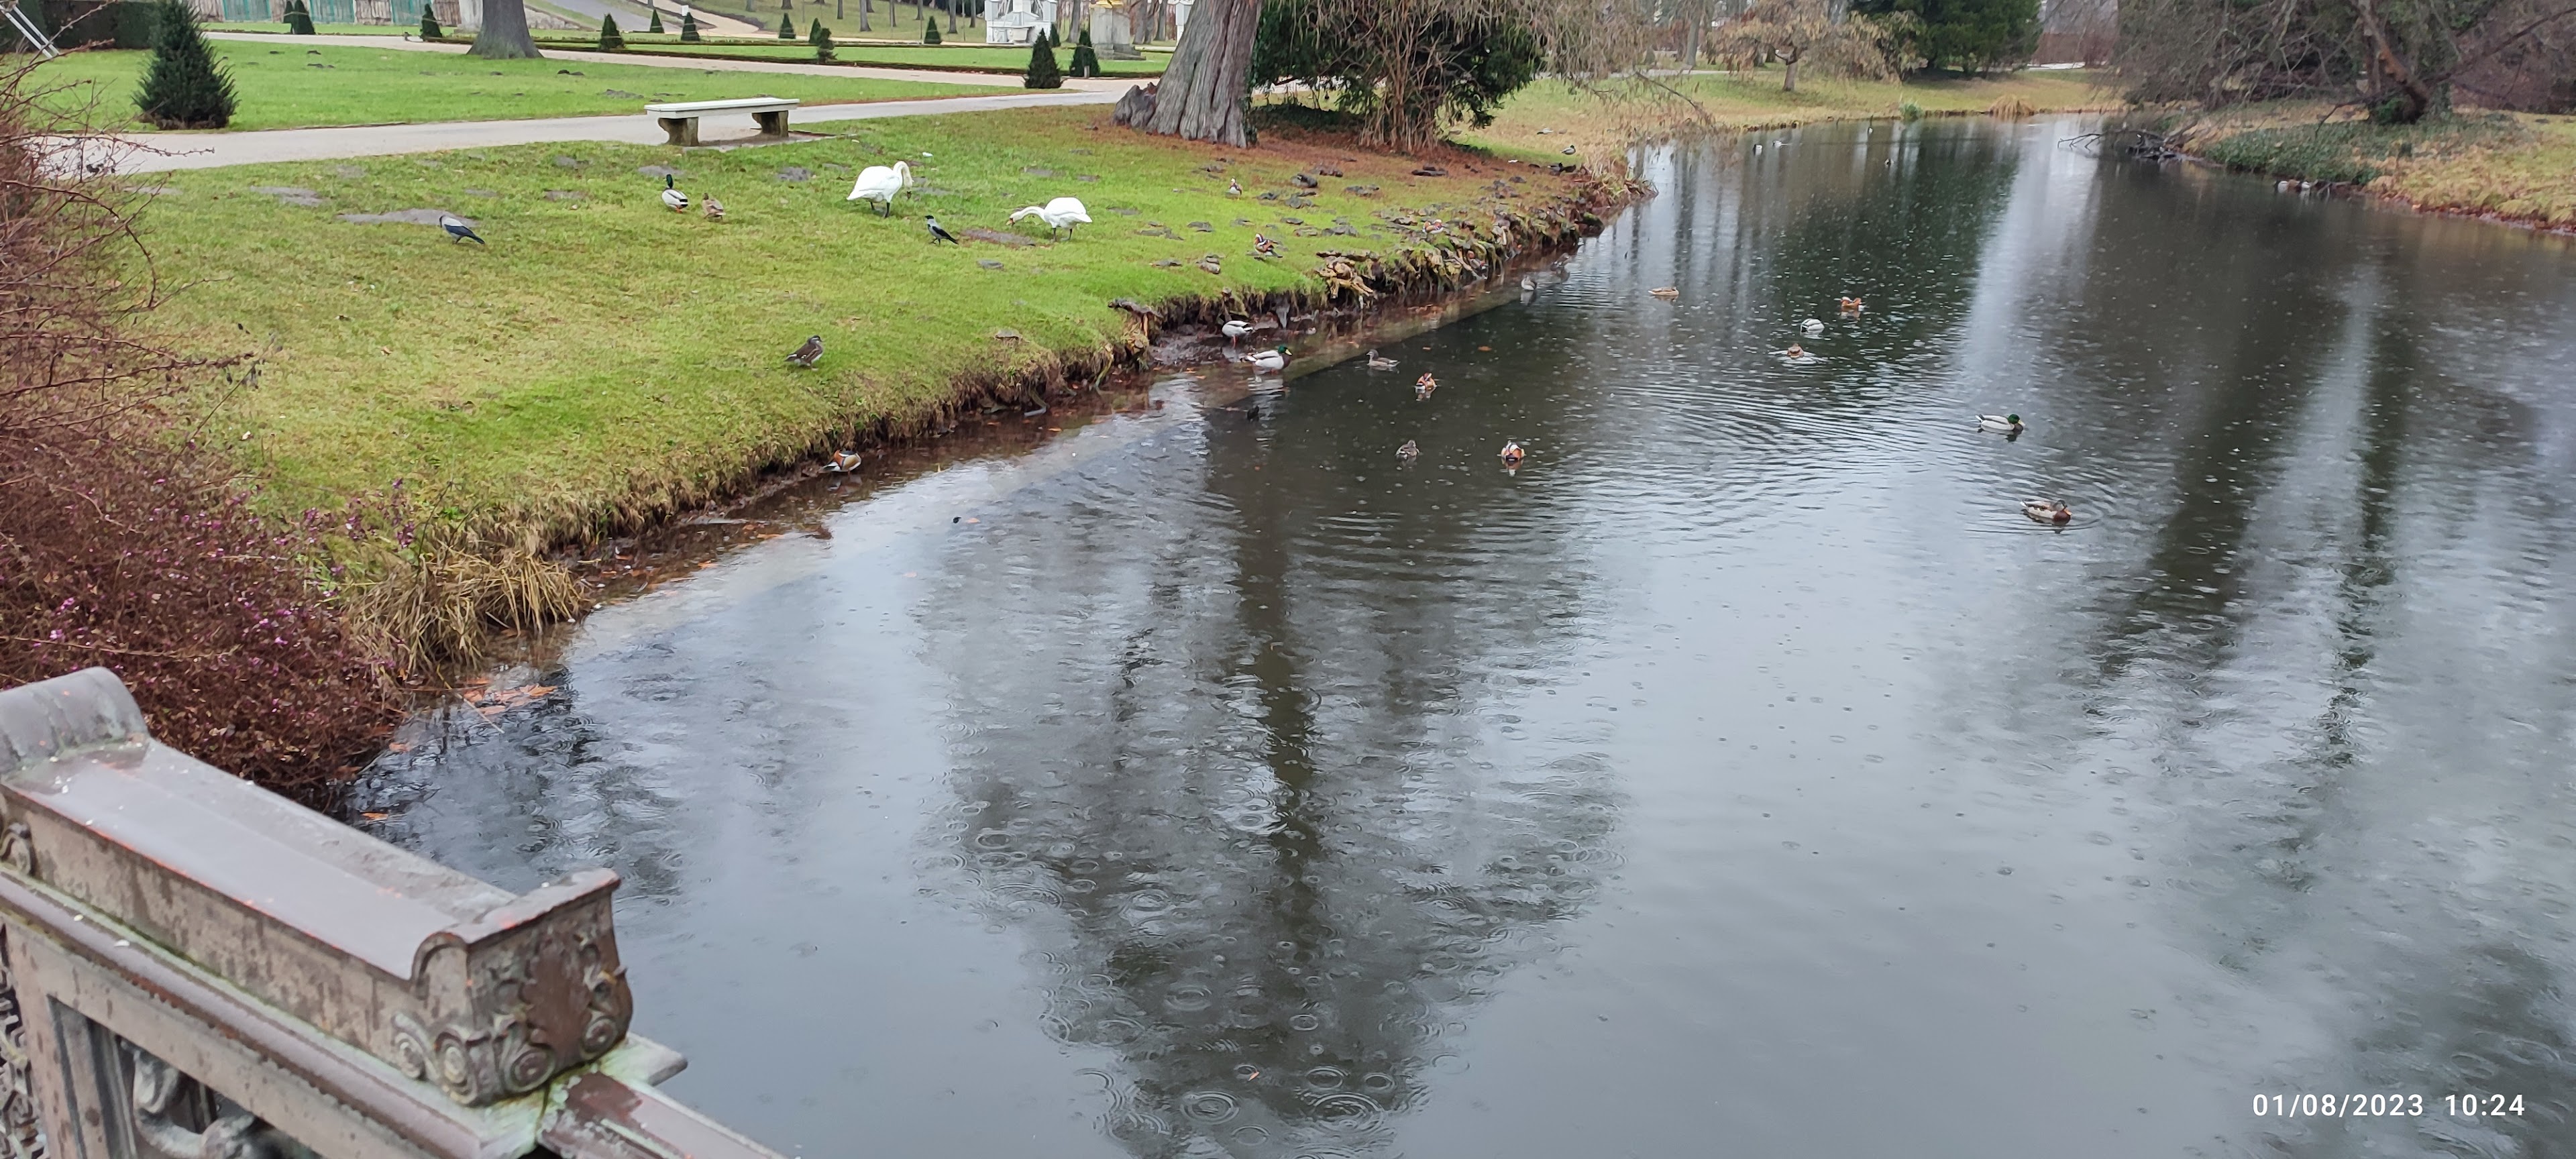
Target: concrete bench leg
<point x="683" y="130"/>
<point x="772" y="124"/>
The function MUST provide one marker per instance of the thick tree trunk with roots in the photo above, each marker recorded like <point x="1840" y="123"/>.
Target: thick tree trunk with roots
<point x="504" y="35"/>
<point x="1205" y="92"/>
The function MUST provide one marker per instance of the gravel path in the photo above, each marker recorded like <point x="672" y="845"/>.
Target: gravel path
<point x="158" y="152"/>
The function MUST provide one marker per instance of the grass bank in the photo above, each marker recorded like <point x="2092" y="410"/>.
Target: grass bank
<point x="606" y="361"/>
<point x="1602" y="125"/>
<point x="298" y="84"/>
<point x="2509" y="166"/>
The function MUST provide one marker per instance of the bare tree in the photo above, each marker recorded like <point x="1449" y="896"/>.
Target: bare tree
<point x="504" y="35"/>
<point x="1796" y="32"/>
<point x="2398" y="60"/>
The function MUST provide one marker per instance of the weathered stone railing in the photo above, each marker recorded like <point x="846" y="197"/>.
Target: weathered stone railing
<point x="199" y="968"/>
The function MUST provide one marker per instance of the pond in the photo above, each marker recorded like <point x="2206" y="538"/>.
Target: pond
<point x="1743" y="774"/>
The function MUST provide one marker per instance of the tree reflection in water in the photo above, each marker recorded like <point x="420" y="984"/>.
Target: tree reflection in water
<point x="1235" y="772"/>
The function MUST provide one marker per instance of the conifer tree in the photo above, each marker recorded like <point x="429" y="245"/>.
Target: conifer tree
<point x="299" y="20"/>
<point x="929" y="31"/>
<point x="821" y="39"/>
<point x="429" y="29"/>
<point x="1085" y="61"/>
<point x="183" y="87"/>
<point x="656" y="26"/>
<point x="786" y="23"/>
<point x="610" y="40"/>
<point x="1043" y="72"/>
<point x="689" y="28"/>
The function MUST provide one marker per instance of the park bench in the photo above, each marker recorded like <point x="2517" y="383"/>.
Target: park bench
<point x="681" y="120"/>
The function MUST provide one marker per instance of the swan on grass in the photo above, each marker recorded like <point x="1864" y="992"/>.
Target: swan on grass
<point x="1060" y="215"/>
<point x="879" y="183"/>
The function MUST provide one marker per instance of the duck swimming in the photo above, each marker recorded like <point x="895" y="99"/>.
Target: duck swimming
<point x="2047" y="512"/>
<point x="1813" y="326"/>
<point x="1423" y="386"/>
<point x="843" y="462"/>
<point x="1377" y="363"/>
<point x="1275" y="358"/>
<point x="1667" y="293"/>
<point x="2008" y="424"/>
<point x="1850" y="305"/>
<point x="1513" y="454"/>
<point x="1408" y="450"/>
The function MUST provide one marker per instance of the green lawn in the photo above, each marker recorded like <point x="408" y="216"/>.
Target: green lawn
<point x="605" y="357"/>
<point x="977" y="57"/>
<point x="301" y="82"/>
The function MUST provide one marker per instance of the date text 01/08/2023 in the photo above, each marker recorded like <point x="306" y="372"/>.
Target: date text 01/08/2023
<point x="2368" y="1106"/>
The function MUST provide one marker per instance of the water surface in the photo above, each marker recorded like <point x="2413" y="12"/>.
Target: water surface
<point x="1743" y="775"/>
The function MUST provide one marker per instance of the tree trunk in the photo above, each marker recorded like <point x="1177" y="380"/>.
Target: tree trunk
<point x="1206" y="91"/>
<point x="504" y="35"/>
<point x="864" y="5"/>
<point x="952" y="15"/>
<point x="1789" y="78"/>
<point x="2413" y="97"/>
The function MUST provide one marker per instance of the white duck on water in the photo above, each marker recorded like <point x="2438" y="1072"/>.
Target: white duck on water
<point x="2007" y="424"/>
<point x="1060" y="215"/>
<point x="880" y="183"/>
<point x="1275" y="358"/>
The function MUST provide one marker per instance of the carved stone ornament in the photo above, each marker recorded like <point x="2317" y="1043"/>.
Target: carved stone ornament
<point x="520" y="1030"/>
<point x="19" y="1136"/>
<point x="17" y="848"/>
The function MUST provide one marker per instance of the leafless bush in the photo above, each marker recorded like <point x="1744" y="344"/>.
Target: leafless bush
<point x="124" y="544"/>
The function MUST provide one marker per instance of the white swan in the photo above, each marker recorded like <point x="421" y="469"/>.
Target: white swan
<point x="1063" y="213"/>
<point x="879" y="184"/>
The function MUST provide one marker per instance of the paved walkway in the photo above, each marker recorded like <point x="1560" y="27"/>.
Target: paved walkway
<point x="159" y="152"/>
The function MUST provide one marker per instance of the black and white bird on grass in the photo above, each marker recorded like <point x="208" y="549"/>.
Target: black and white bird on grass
<point x="1262" y="246"/>
<point x="457" y="228"/>
<point x="672" y="197"/>
<point x="807" y="354"/>
<point x="937" y="233"/>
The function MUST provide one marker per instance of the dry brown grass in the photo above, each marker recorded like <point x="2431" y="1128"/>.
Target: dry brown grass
<point x="2514" y="167"/>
